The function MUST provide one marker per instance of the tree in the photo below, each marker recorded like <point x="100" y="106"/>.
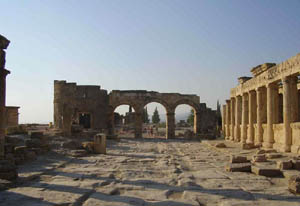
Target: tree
<point x="155" y="116"/>
<point x="145" y="116"/>
<point x="190" y="118"/>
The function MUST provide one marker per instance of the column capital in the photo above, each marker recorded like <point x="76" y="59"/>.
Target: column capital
<point x="4" y="72"/>
<point x="259" y="89"/>
<point x="271" y="85"/>
<point x="227" y="101"/>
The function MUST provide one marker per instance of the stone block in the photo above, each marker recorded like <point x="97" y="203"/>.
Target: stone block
<point x="71" y="144"/>
<point x="8" y="170"/>
<point x="238" y="167"/>
<point x="100" y="144"/>
<point x="296" y="164"/>
<point x="35" y="134"/>
<point x="220" y="145"/>
<point x="273" y="155"/>
<point x="294" y="184"/>
<point x="259" y="158"/>
<point x="9" y="148"/>
<point x="266" y="171"/>
<point x="30" y="156"/>
<point x="261" y="151"/>
<point x="11" y="175"/>
<point x="78" y="153"/>
<point x="6" y="166"/>
<point x="285" y="165"/>
<point x="238" y="159"/>
<point x="20" y="150"/>
<point x="33" y="143"/>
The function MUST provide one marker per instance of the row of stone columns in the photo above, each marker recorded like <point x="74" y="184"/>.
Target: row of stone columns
<point x="261" y="106"/>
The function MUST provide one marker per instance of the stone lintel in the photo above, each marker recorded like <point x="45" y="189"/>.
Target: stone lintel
<point x="261" y="68"/>
<point x="243" y="79"/>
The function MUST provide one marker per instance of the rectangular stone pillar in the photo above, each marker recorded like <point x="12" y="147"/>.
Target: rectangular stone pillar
<point x="170" y="126"/>
<point x="223" y="119"/>
<point x="100" y="143"/>
<point x="227" y="119"/>
<point x="244" y="117"/>
<point x="259" y="113"/>
<point x="271" y="89"/>
<point x="232" y="118"/>
<point x="238" y="117"/>
<point x="3" y="74"/>
<point x="251" y="116"/>
<point x="138" y="125"/>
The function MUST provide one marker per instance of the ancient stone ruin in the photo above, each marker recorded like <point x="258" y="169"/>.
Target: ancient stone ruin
<point x="94" y="108"/>
<point x="263" y="110"/>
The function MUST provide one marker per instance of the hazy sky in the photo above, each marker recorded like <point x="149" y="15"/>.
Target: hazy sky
<point x="186" y="46"/>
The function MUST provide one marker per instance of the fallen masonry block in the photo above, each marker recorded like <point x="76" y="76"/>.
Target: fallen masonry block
<point x="238" y="159"/>
<point x="266" y="171"/>
<point x="273" y="155"/>
<point x="285" y="165"/>
<point x="220" y="145"/>
<point x="35" y="134"/>
<point x="238" y="167"/>
<point x="294" y="184"/>
<point x="296" y="164"/>
<point x="259" y="158"/>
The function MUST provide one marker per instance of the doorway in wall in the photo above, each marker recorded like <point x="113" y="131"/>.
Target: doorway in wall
<point x="85" y="120"/>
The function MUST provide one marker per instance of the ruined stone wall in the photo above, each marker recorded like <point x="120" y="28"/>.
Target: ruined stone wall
<point x="71" y="99"/>
<point x="208" y="119"/>
<point x="12" y="116"/>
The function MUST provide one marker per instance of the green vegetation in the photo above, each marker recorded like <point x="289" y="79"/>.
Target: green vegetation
<point x="155" y="117"/>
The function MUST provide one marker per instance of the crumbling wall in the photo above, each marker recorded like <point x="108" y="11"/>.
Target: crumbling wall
<point x="71" y="99"/>
<point x="12" y="116"/>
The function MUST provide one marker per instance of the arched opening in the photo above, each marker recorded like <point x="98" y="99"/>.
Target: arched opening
<point x="124" y="121"/>
<point x="185" y="120"/>
<point x="154" y="120"/>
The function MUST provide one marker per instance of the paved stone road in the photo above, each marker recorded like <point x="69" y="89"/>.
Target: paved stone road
<point x="144" y="172"/>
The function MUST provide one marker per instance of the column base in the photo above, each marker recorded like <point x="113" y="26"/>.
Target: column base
<point x="267" y="145"/>
<point x="295" y="149"/>
<point x="249" y="142"/>
<point x="258" y="144"/>
<point x="282" y="147"/>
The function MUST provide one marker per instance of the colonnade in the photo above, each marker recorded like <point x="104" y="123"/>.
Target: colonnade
<point x="264" y="115"/>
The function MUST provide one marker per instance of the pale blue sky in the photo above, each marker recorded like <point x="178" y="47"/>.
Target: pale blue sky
<point x="185" y="46"/>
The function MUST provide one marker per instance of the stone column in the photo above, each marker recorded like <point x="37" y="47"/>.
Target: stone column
<point x="138" y="133"/>
<point x="244" y="118"/>
<point x="3" y="74"/>
<point x="232" y="118"/>
<point x="227" y="119"/>
<point x="287" y="131"/>
<point x="237" y="129"/>
<point x="197" y="122"/>
<point x="271" y="88"/>
<point x="170" y="125"/>
<point x="251" y="116"/>
<point x="259" y="112"/>
<point x="223" y="119"/>
<point x="294" y="99"/>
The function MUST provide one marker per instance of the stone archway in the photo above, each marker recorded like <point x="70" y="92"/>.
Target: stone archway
<point x="197" y="113"/>
<point x="139" y="98"/>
